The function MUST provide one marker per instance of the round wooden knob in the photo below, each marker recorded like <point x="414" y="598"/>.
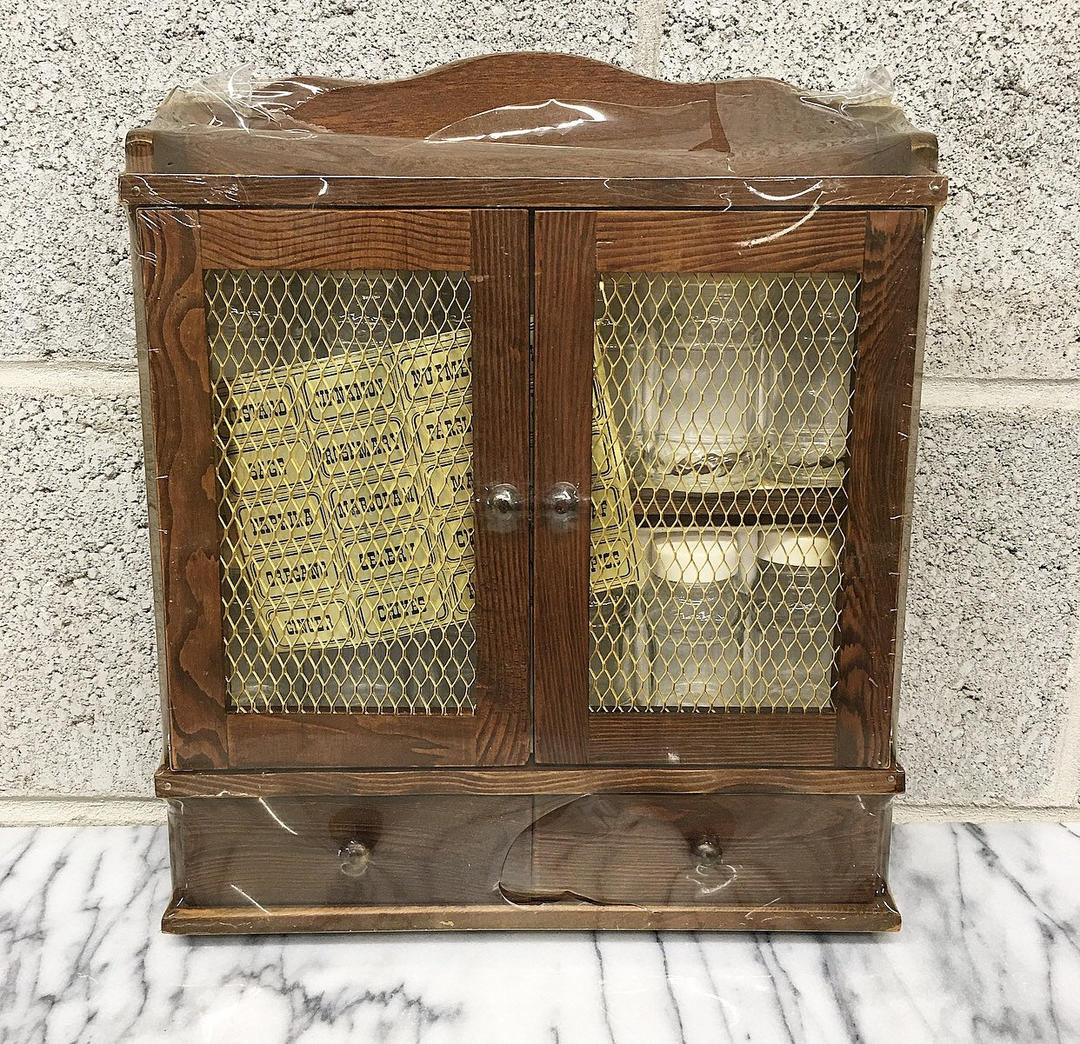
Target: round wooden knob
<point x="706" y="852"/>
<point x="355" y="857"/>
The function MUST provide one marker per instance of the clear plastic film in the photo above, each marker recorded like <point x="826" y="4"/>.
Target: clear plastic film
<point x="351" y="758"/>
<point x="766" y="860"/>
<point x="589" y="123"/>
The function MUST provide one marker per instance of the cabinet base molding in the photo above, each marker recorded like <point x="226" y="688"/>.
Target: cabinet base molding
<point x="738" y="860"/>
<point x="877" y="915"/>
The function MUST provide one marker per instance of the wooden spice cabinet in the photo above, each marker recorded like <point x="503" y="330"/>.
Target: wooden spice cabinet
<point x="520" y="800"/>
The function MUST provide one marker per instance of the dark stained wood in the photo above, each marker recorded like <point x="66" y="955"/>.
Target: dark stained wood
<point x="438" y="240"/>
<point x="422" y="105"/>
<point x="501" y="270"/>
<point x="493" y="247"/>
<point x="912" y="455"/>
<point x="188" y="532"/>
<point x="771" y="848"/>
<point x="624" y="193"/>
<point x="150" y="474"/>
<point x="530" y="779"/>
<point x="558" y="854"/>
<point x="464" y="831"/>
<point x="564" y="249"/>
<point x="878" y="915"/>
<point x="720" y="738"/>
<point x="435" y="849"/>
<point x="764" y="241"/>
<point x="492" y="111"/>
<point x="340" y="740"/>
<point x="663" y="507"/>
<point x="877" y="493"/>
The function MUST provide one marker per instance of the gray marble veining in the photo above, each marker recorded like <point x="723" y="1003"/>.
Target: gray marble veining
<point x="990" y="951"/>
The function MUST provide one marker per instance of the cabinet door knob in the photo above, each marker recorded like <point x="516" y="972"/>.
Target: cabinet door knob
<point x="706" y="853"/>
<point x="502" y="507"/>
<point x="561" y="505"/>
<point x="355" y="857"/>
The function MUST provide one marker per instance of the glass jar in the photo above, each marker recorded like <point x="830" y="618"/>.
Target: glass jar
<point x="792" y="620"/>
<point x="700" y="383"/>
<point x="809" y="401"/>
<point x="695" y="620"/>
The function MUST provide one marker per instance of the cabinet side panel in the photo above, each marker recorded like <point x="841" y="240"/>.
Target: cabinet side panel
<point x="877" y="485"/>
<point x="151" y="472"/>
<point x="185" y="486"/>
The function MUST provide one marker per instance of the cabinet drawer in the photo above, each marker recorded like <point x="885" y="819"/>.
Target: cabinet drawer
<point x="721" y="850"/>
<point x="344" y="851"/>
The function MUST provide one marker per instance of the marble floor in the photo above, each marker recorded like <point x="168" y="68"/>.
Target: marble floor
<point x="990" y="951"/>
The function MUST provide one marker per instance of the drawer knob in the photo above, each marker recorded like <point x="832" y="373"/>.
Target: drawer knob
<point x="355" y="857"/>
<point x="706" y="853"/>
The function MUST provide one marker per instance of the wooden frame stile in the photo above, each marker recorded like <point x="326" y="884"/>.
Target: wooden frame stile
<point x="176" y="247"/>
<point x="884" y="248"/>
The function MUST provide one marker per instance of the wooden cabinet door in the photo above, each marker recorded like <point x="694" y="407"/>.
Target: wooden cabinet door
<point x="723" y="412"/>
<point x="338" y="405"/>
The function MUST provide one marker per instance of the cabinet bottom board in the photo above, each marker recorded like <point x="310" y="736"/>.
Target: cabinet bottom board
<point x="877" y="915"/>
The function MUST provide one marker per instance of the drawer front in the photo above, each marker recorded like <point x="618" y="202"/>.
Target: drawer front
<point x="718" y="850"/>
<point x="345" y="851"/>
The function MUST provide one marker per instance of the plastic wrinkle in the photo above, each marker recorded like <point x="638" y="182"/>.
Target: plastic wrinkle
<point x="236" y="123"/>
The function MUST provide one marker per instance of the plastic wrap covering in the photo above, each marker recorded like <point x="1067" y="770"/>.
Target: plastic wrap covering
<point x="586" y="121"/>
<point x="454" y="861"/>
<point x="421" y="679"/>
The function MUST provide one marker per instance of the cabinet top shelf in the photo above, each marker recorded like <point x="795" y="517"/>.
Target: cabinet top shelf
<point x="519" y="119"/>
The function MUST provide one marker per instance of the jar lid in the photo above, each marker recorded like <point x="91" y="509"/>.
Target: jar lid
<point x="695" y="557"/>
<point x="797" y="549"/>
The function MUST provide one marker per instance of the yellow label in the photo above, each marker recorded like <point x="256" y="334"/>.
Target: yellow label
<point x="260" y="407"/>
<point x="345" y="454"/>
<point x="612" y="563"/>
<point x="295" y="571"/>
<point x="285" y="521"/>
<point x="418" y="606"/>
<point x="389" y="556"/>
<point x="445" y="430"/>
<point x="608" y="510"/>
<point x="459" y="536"/>
<point x="264" y="470"/>
<point x="322" y="622"/>
<point x="437" y="368"/>
<point x="450" y="486"/>
<point x="342" y="391"/>
<point x="376" y="501"/>
<point x="462" y="596"/>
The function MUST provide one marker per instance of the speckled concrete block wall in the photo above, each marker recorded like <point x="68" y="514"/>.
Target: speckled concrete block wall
<point x="990" y="721"/>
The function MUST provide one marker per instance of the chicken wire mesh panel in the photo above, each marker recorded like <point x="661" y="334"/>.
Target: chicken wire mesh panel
<point x="714" y="398"/>
<point x="343" y="413"/>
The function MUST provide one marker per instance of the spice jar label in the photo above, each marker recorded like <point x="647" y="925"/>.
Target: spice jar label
<point x="315" y="623"/>
<point x="436" y="368"/>
<point x="302" y="570"/>
<point x="386" y="557"/>
<point x="337" y="393"/>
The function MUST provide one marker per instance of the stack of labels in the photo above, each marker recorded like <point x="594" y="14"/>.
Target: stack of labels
<point x="615" y="555"/>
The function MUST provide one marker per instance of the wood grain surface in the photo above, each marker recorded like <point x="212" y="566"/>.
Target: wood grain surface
<point x="188" y="530"/>
<point x="564" y="248"/>
<point x="435" y="240"/>
<point x="877" y="486"/>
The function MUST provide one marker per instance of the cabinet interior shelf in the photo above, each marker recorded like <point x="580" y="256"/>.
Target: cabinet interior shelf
<point x="663" y="507"/>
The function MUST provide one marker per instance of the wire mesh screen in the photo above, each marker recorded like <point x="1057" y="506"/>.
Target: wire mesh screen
<point x="343" y="411"/>
<point x="715" y="400"/>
